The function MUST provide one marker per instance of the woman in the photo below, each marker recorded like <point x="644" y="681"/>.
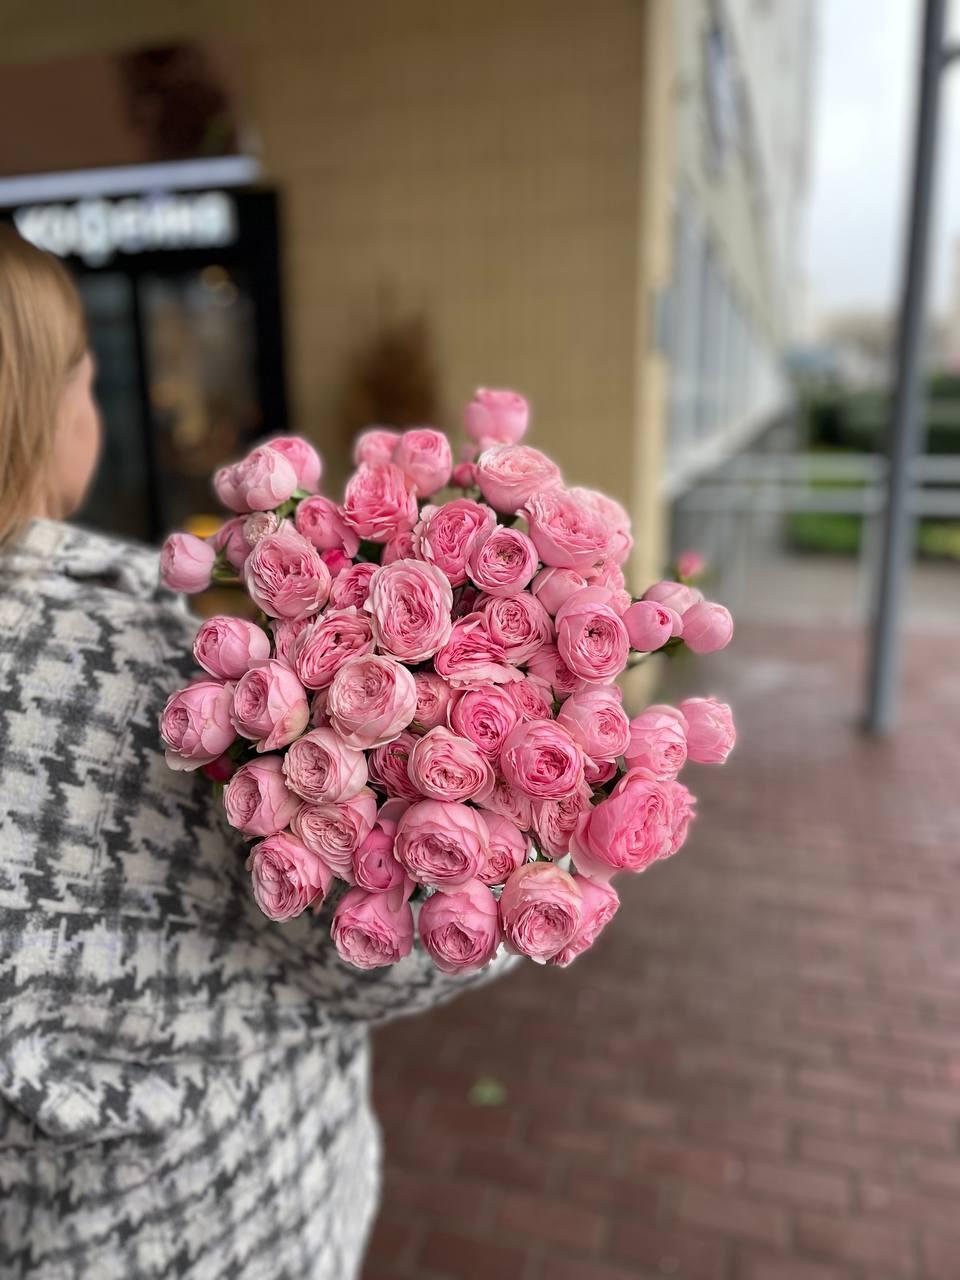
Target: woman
<point x="183" y="1084"/>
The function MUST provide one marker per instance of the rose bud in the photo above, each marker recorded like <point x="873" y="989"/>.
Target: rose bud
<point x="496" y="417"/>
<point x="256" y="799"/>
<point x="440" y="844"/>
<point x="303" y="457"/>
<point x="707" y="627"/>
<point x="375" y="446"/>
<point x="186" y="563"/>
<point x="506" y="851"/>
<point x="374" y="866"/>
<point x="444" y="766"/>
<point x="285" y="576"/>
<point x="371" y="930"/>
<point x="542" y="760"/>
<point x="675" y="595"/>
<point x="337" y="561"/>
<point x="658" y="742"/>
<point x="230" y="540"/>
<point x="599" y="904"/>
<point x="287" y="877"/>
<point x="424" y="457"/>
<point x="370" y="700"/>
<point x="650" y="625"/>
<point x="197" y="724"/>
<point x="410" y="604"/>
<point x="321" y="522"/>
<point x="269" y="705"/>
<point x="710" y="730"/>
<point x="228" y="490"/>
<point x="690" y="564"/>
<point x="541" y="909"/>
<point x="264" y="479"/>
<point x="321" y="769"/>
<point x="553" y="587"/>
<point x="378" y="502"/>
<point x="465" y="475"/>
<point x="460" y="930"/>
<point x="227" y="646"/>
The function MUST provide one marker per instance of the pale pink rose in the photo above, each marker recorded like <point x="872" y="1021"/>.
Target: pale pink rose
<point x="650" y="625"/>
<point x="334" y="831"/>
<point x="197" y="724"/>
<point x="374" y="866"/>
<point x="599" y="904"/>
<point x="658" y="743"/>
<point x="256" y="799"/>
<point x="496" y="417"/>
<point x="460" y="930"/>
<point x="410" y="603"/>
<point x="269" y="705"/>
<point x="230" y="540"/>
<point x="444" y="766"/>
<point x="596" y="719"/>
<point x="629" y="830"/>
<point x="569" y="531"/>
<point x="610" y="576"/>
<point x="506" y="802"/>
<point x="511" y="475"/>
<point x="506" y="850"/>
<point x="328" y="642"/>
<point x="690" y="564"/>
<point x="520" y="624"/>
<point x="533" y="698"/>
<point x="553" y="587"/>
<point x="502" y="562"/>
<point x="617" y="520"/>
<point x="375" y="446"/>
<point x="287" y="876"/>
<point x="542" y="760"/>
<point x="555" y="821"/>
<point x="377" y="503"/>
<point x="258" y="524"/>
<point x="445" y="535"/>
<point x="371" y="930"/>
<point x="228" y="490"/>
<point x="591" y="637"/>
<point x="321" y="522"/>
<point x="710" y="730"/>
<point x="424" y="457"/>
<point x="707" y="627"/>
<point x="465" y="475"/>
<point x="370" y="700"/>
<point x="286" y="632"/>
<point x="186" y="563"/>
<point x="486" y="715"/>
<point x="388" y="767"/>
<point x="597" y="772"/>
<point x="322" y="770"/>
<point x="226" y="646"/>
<point x="548" y="667"/>
<point x="682" y="814"/>
<point x="303" y="457"/>
<point x="472" y="656"/>
<point x="264" y="479"/>
<point x="675" y="595"/>
<point x="351" y="588"/>
<point x="285" y="576"/>
<point x="441" y="844"/>
<point x="337" y="561"/>
<point x="399" y="547"/>
<point x="434" y="696"/>
<point x="541" y="909"/>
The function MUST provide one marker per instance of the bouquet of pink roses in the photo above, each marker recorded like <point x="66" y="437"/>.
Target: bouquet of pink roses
<point x="425" y="707"/>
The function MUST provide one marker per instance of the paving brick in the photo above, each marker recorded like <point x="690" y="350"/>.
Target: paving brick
<point x="551" y="1221"/>
<point x="863" y="1241"/>
<point x="668" y="1251"/>
<point x="798" y="1184"/>
<point x="941" y="1256"/>
<point x="735" y="1215"/>
<point x="463" y="1257"/>
<point x="769" y="1268"/>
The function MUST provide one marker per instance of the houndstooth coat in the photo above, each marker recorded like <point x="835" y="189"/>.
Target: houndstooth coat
<point x="183" y="1084"/>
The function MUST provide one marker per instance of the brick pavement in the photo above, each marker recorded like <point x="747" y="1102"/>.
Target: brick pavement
<point x="756" y="1074"/>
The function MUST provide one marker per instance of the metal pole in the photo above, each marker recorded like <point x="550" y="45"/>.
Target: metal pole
<point x="908" y="399"/>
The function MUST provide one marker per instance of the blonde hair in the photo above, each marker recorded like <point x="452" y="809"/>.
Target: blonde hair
<point x="43" y="338"/>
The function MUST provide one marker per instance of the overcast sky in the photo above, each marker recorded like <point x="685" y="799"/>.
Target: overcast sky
<point x="862" y="142"/>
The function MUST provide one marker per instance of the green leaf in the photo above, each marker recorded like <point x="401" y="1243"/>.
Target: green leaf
<point x="487" y="1091"/>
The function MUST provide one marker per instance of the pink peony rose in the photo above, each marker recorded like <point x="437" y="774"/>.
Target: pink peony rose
<point x="375" y="446"/>
<point x="502" y="562"/>
<point x="445" y="535"/>
<point x="370" y="700"/>
<point x="286" y="633"/>
<point x="658" y="743"/>
<point x="617" y="521"/>
<point x="230" y="540"/>
<point x="599" y="904"/>
<point x="650" y="625"/>
<point x="591" y="638"/>
<point x="226" y="646"/>
<point x="399" y="547"/>
<point x="337" y="561"/>
<point x="269" y="705"/>
<point x="263" y="480"/>
<point x="510" y="476"/>
<point x="197" y="724"/>
<point x="444" y="766"/>
<point x="548" y="666"/>
<point x="485" y="715"/>
<point x="377" y="503"/>
<point x="424" y="457"/>
<point x="460" y="930"/>
<point x="441" y="844"/>
<point x="472" y="656"/>
<point x="609" y="575"/>
<point x="596" y="720"/>
<point x="256" y="799"/>
<point x="597" y="772"/>
<point x="520" y="624"/>
<point x="506" y="850"/>
<point x="681" y="815"/>
<point x="303" y="457"/>
<point x="334" y="831"/>
<point x="707" y="627"/>
<point x="371" y="930"/>
<point x="410" y="603"/>
<point x="710" y="730"/>
<point x="629" y="830"/>
<point x="553" y="587"/>
<point x="351" y="588"/>
<point x="569" y="531"/>
<point x="374" y="866"/>
<point x="496" y="417"/>
<point x="285" y="576"/>
<point x="542" y="760"/>
<point x="434" y="697"/>
<point x="388" y="767"/>
<point x="675" y="595"/>
<point x="322" y="770"/>
<point x="228" y="490"/>
<point x="321" y="522"/>
<point x="328" y="642"/>
<point x="555" y="821"/>
<point x="287" y="876"/>
<point x="186" y="563"/>
<point x="533" y="698"/>
<point x="505" y="801"/>
<point x="541" y="909"/>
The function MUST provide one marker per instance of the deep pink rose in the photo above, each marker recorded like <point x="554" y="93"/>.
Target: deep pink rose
<point x="511" y="475"/>
<point x="649" y="625"/>
<point x="441" y="844"/>
<point x="303" y="457"/>
<point x="334" y="831"/>
<point x="707" y="627"/>
<point x="337" y="561"/>
<point x="197" y="724"/>
<point x="371" y="930"/>
<point x="542" y="760"/>
<point x="370" y="700"/>
<point x="226" y="646"/>
<point x="375" y="446"/>
<point x="533" y="698"/>
<point x="263" y="480"/>
<point x="629" y="830"/>
<point x="286" y="632"/>
<point x="460" y="930"/>
<point x="520" y="624"/>
<point x="472" y="656"/>
<point x="690" y="564"/>
<point x="506" y="850"/>
<point x="287" y="876"/>
<point x="596" y="719"/>
<point x="445" y="535"/>
<point x="658" y="742"/>
<point x="220" y="770"/>
<point x="591" y="637"/>
<point x="399" y="547"/>
<point x="485" y="714"/>
<point x="434" y="696"/>
<point x="617" y="521"/>
<point x="256" y="799"/>
<point x="374" y="866"/>
<point x="424" y="457"/>
<point x="378" y="503"/>
<point x="444" y="766"/>
<point x="569" y="531"/>
<point x="675" y="595"/>
<point x="599" y="904"/>
<point x="321" y="522"/>
<point x="541" y="909"/>
<point x="410" y="603"/>
<point x="496" y="417"/>
<point x="186" y="563"/>
<point x="285" y="576"/>
<point x="230" y="540"/>
<point x="464" y="475"/>
<point x="351" y="588"/>
<point x="328" y="642"/>
<point x="548" y="666"/>
<point x="388" y="767"/>
<point x="323" y="770"/>
<point x="507" y="802"/>
<point x="710" y="730"/>
<point x="555" y="821"/>
<point x="502" y="562"/>
<point x="269" y="705"/>
<point x="553" y="587"/>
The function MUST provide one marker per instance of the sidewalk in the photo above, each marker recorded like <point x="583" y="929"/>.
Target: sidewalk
<point x="756" y="1075"/>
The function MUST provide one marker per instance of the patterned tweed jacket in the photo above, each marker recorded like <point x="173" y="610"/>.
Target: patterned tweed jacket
<point x="183" y="1084"/>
